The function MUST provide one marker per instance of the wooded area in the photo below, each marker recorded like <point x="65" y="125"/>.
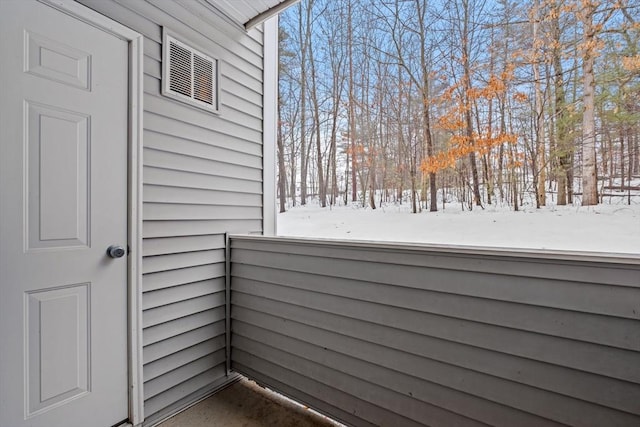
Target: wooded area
<point x="472" y="102"/>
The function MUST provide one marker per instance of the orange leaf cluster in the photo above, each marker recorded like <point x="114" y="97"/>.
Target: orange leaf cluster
<point x="514" y="164"/>
<point x="520" y="97"/>
<point x="631" y="63"/>
<point x="443" y="160"/>
<point x="484" y="145"/>
<point x="450" y="122"/>
<point x="454" y="121"/>
<point x="357" y="149"/>
<point x="447" y="95"/>
<point x="495" y="86"/>
<point x="515" y="160"/>
<point x="507" y="74"/>
<point x="462" y="146"/>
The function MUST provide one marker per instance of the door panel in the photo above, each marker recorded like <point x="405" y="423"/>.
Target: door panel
<point x="63" y="201"/>
<point x="56" y="61"/>
<point x="57" y="172"/>
<point x="57" y="346"/>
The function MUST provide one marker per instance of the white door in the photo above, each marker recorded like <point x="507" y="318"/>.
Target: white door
<point x="63" y="201"/>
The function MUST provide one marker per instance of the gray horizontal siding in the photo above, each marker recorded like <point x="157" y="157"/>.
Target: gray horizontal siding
<point x="166" y="297"/>
<point x="175" y="245"/>
<point x="163" y="341"/>
<point x="188" y="179"/>
<point x="203" y="134"/>
<point x="166" y="279"/>
<point x="181" y="162"/>
<point x="175" y="261"/>
<point x="172" y="194"/>
<point x="175" y="211"/>
<point x="228" y="153"/>
<point x="202" y="178"/>
<point x="152" y="229"/>
<point x="227" y="123"/>
<point x="175" y="310"/>
<point x="437" y="336"/>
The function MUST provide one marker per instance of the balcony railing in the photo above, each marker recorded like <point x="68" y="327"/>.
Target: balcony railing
<point x="379" y="334"/>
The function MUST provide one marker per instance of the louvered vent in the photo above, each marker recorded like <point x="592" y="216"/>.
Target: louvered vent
<point x="179" y="69"/>
<point x="189" y="75"/>
<point x="203" y="73"/>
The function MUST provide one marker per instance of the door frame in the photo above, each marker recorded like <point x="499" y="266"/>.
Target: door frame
<point x="134" y="199"/>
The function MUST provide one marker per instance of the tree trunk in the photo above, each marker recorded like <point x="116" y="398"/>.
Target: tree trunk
<point x="537" y="153"/>
<point x="282" y="175"/>
<point x="426" y="117"/>
<point x="466" y="68"/>
<point x="316" y="122"/>
<point x="304" y="37"/>
<point x="635" y="155"/>
<point x="589" y="172"/>
<point x="622" y="162"/>
<point x="629" y="167"/>
<point x="426" y="103"/>
<point x="352" y="102"/>
<point x="563" y="147"/>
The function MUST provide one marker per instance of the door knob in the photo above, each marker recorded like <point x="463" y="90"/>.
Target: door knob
<point x="115" y="251"/>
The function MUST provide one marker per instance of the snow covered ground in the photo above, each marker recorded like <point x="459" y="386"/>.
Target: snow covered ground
<point x="602" y="228"/>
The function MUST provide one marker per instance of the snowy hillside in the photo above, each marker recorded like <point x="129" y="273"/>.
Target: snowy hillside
<point x="602" y="228"/>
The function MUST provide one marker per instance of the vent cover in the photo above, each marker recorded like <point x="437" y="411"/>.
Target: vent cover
<point x="189" y="75"/>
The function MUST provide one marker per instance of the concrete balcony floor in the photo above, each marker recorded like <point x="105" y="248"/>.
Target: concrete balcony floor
<point x="246" y="404"/>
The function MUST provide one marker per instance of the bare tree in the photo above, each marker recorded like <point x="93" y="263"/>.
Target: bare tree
<point x="371" y="81"/>
<point x="589" y="170"/>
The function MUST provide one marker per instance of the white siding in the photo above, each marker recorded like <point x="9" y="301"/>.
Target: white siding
<point x="202" y="178"/>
